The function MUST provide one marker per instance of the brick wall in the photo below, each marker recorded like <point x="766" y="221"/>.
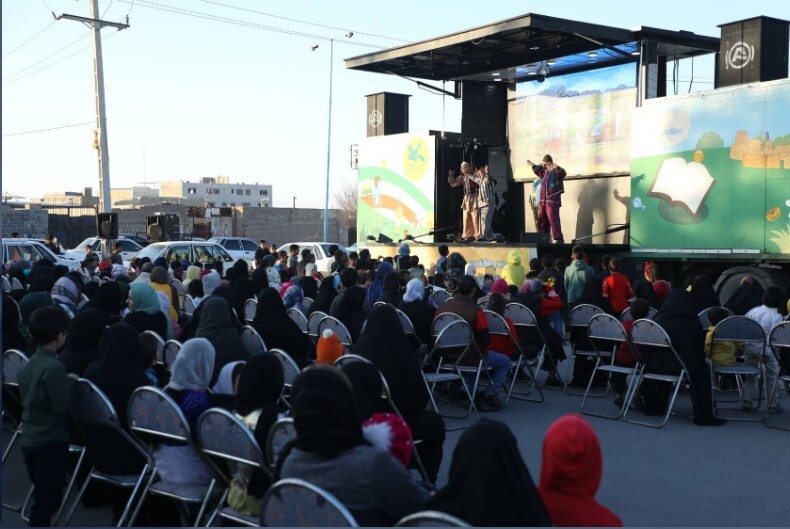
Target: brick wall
<point x="27" y="222"/>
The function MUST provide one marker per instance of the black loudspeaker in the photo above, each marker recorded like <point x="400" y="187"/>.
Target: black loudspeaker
<point x="107" y="225"/>
<point x="484" y="112"/>
<point x="753" y="50"/>
<point x="383" y="238"/>
<point x="537" y="238"/>
<point x="162" y="227"/>
<point x="388" y="113"/>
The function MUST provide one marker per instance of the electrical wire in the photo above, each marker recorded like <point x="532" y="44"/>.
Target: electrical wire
<point x="107" y="9"/>
<point x="64" y="48"/>
<point x="30" y="39"/>
<point x="47" y="130"/>
<point x="301" y="21"/>
<point x="236" y="22"/>
<point x="692" y="74"/>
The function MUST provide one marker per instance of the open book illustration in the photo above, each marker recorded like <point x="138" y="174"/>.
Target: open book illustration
<point x="684" y="184"/>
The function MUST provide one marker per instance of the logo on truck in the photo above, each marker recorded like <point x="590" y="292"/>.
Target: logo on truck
<point x="739" y="55"/>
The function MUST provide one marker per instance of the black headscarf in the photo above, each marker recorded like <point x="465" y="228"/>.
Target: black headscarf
<point x="217" y="327"/>
<point x="365" y="380"/>
<point x="643" y="289"/>
<point x="489" y="484"/>
<point x="90" y="288"/>
<point x="748" y="295"/>
<point x="260" y="386"/>
<point x="82" y="344"/>
<point x="323" y="299"/>
<point x="42" y="283"/>
<point x="108" y="299"/>
<point x="260" y="279"/>
<point x="12" y="336"/>
<point x="702" y="294"/>
<point x="326" y="416"/>
<point x="241" y="270"/>
<point x="351" y="310"/>
<point x="309" y="287"/>
<point x="277" y="329"/>
<point x="593" y="294"/>
<point x="385" y="344"/>
<point x="242" y="290"/>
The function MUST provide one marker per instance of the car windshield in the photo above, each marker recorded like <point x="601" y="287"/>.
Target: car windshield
<point x="151" y="251"/>
<point x="86" y="242"/>
<point x="214" y="239"/>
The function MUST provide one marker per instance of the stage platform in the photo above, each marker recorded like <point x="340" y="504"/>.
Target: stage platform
<point x="490" y="257"/>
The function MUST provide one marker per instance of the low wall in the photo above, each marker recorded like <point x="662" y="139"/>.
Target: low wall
<point x="26" y="222"/>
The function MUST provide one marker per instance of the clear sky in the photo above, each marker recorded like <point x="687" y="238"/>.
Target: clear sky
<point x="189" y="97"/>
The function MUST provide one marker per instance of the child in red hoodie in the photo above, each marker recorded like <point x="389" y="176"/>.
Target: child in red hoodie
<point x="616" y="287"/>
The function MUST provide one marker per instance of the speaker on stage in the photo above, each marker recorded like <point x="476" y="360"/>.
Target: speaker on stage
<point x="107" y="225"/>
<point x="162" y="227"/>
<point x="383" y="238"/>
<point x="536" y="238"/>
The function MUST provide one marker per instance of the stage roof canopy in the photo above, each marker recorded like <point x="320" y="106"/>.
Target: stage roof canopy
<point x="515" y="48"/>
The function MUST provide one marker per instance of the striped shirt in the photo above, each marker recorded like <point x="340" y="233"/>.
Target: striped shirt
<point x="487" y="195"/>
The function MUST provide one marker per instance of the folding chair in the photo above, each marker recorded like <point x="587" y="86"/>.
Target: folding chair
<point x="13" y="363"/>
<point x="337" y="327"/>
<point x="155" y="418"/>
<point x="160" y="346"/>
<point x="250" y="308"/>
<point x="189" y="305"/>
<point x="482" y="302"/>
<point x="180" y="292"/>
<point x="90" y="407"/>
<point x="443" y="320"/>
<point x="605" y="327"/>
<point x="704" y="315"/>
<point x="280" y="434"/>
<point x="578" y="319"/>
<point x="457" y="336"/>
<point x="651" y="341"/>
<point x="298" y="318"/>
<point x="408" y="328"/>
<point x="779" y="342"/>
<point x="171" y="352"/>
<point x="16" y="284"/>
<point x="440" y="296"/>
<point x="290" y="372"/>
<point x="312" y="324"/>
<point x="223" y="436"/>
<point x="626" y="314"/>
<point x="376" y="304"/>
<point x="497" y="325"/>
<point x="525" y="320"/>
<point x="297" y="503"/>
<point x="252" y="341"/>
<point x="306" y="302"/>
<point x="6" y="284"/>
<point x="739" y="329"/>
<point x="431" y="519"/>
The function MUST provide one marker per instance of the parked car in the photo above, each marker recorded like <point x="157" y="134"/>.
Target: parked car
<point x="323" y="251"/>
<point x="139" y="239"/>
<point x="190" y="251"/>
<point x="128" y="248"/>
<point x="15" y="250"/>
<point x="238" y="247"/>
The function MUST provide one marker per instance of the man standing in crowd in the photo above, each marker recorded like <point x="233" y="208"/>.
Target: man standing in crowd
<point x="550" y="200"/>
<point x="576" y="275"/>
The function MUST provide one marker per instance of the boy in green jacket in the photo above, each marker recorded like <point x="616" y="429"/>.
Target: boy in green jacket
<point x="45" y="389"/>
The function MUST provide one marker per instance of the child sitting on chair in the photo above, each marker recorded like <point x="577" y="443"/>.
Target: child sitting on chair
<point x="722" y="353"/>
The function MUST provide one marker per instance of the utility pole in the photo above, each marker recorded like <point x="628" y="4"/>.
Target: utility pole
<point x="294" y="202"/>
<point x="105" y="202"/>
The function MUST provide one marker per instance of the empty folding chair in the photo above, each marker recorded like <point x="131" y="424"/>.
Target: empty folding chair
<point x="651" y="343"/>
<point x="525" y="322"/>
<point x="160" y="346"/>
<point x="440" y="296"/>
<point x="298" y="317"/>
<point x="431" y="519"/>
<point x="608" y="328"/>
<point x="337" y="327"/>
<point x="297" y="503"/>
<point x="172" y="347"/>
<point x="312" y="324"/>
<point x="155" y="418"/>
<point x="250" y="308"/>
<point x="704" y="316"/>
<point x="91" y="409"/>
<point x="290" y="372"/>
<point x="739" y="329"/>
<point x="222" y="436"/>
<point x="779" y="342"/>
<point x="280" y="434"/>
<point x="497" y="325"/>
<point x="252" y="341"/>
<point x="189" y="305"/>
<point x="578" y="319"/>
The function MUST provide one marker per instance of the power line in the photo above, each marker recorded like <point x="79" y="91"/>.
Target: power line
<point x="64" y="48"/>
<point x="106" y="9"/>
<point x="47" y="130"/>
<point x="30" y="39"/>
<point x="243" y="23"/>
<point x="300" y="21"/>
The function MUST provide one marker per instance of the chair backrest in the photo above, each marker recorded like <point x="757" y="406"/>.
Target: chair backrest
<point x="520" y="315"/>
<point x="431" y="519"/>
<point x="482" y="302"/>
<point x="496" y="323"/>
<point x="443" y="320"/>
<point x="739" y="329"/>
<point x="313" y="321"/>
<point x="13" y="363"/>
<point x="626" y="314"/>
<point x="337" y="327"/>
<point x="455" y="334"/>
<point x="405" y="322"/>
<point x="605" y="327"/>
<point x="298" y="318"/>
<point x="160" y="345"/>
<point x="580" y="315"/>
<point x="221" y="434"/>
<point x="779" y="338"/>
<point x="252" y="341"/>
<point x="250" y="308"/>
<point x="440" y="296"/>
<point x="290" y="367"/>
<point x="379" y="303"/>
<point x="649" y="337"/>
<point x="171" y="351"/>
<point x="306" y="302"/>
<point x="6" y="284"/>
<point x="280" y="434"/>
<point x="297" y="503"/>
<point x="189" y="305"/>
<point x="153" y="413"/>
<point x="348" y="358"/>
<point x="16" y="284"/>
<point x="704" y="316"/>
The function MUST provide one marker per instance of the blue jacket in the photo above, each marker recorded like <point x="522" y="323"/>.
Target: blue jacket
<point x="576" y="276"/>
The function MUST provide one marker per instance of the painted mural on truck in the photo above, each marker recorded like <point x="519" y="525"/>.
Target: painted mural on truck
<point x="396" y="186"/>
<point x="711" y="171"/>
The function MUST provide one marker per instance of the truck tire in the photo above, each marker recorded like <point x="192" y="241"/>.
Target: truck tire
<point x="730" y="279"/>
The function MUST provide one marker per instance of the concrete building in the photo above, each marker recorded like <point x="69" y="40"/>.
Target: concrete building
<point x="218" y="192"/>
<point x="71" y="198"/>
<point x="130" y="197"/>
